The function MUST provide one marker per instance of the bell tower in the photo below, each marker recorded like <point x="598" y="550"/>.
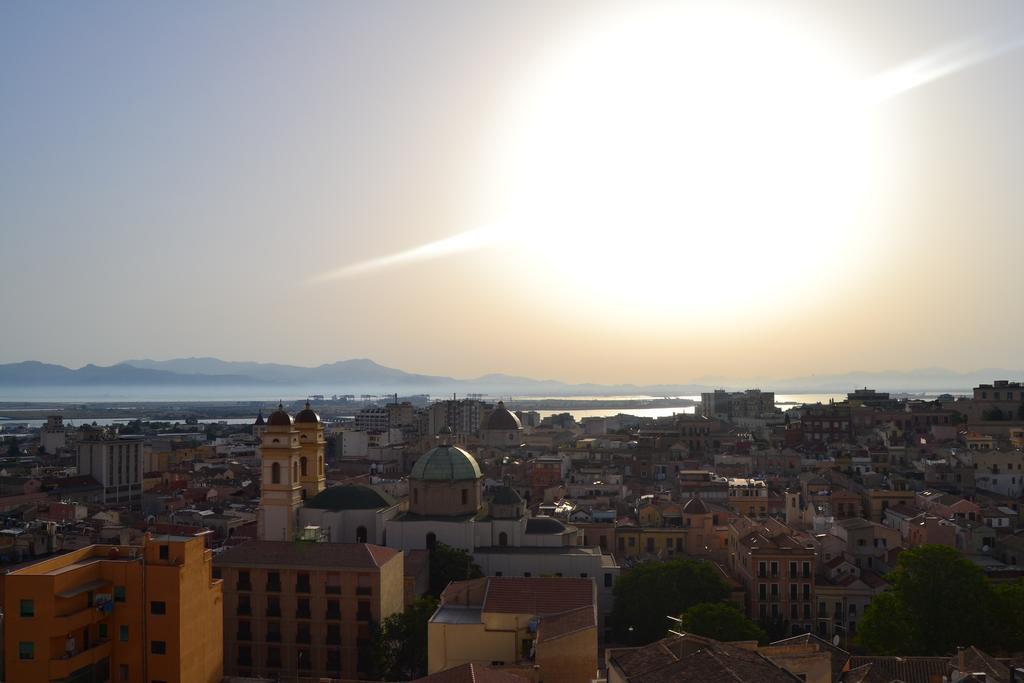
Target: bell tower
<point x="280" y="488"/>
<point x="311" y="455"/>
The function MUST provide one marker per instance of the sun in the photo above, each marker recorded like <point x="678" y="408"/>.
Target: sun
<point x="688" y="160"/>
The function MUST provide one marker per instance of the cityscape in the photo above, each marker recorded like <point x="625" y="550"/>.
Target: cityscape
<point x="588" y="341"/>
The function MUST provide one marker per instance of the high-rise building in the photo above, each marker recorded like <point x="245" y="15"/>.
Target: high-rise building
<point x="116" y="613"/>
<point x="115" y="463"/>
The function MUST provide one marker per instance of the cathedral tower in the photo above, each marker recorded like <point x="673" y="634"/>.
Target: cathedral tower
<point x="281" y="488"/>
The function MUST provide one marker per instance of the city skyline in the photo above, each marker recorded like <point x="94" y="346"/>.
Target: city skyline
<point x="517" y="189"/>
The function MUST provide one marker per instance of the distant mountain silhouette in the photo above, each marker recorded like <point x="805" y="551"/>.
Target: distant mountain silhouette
<point x="364" y="375"/>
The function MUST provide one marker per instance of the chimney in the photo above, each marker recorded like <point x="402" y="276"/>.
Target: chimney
<point x="961" y="660"/>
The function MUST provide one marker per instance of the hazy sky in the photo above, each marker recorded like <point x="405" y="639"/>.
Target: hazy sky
<point x="652" y="192"/>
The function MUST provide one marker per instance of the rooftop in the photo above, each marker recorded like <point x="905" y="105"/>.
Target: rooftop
<point x="306" y="555"/>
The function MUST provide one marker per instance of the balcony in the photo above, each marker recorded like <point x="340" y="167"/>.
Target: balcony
<point x="334" y="613"/>
<point x="273" y="586"/>
<point x="274" y="611"/>
<point x="73" y="621"/>
<point x="63" y="667"/>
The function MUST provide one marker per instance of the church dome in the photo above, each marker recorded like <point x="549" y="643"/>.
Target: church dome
<point x="279" y="418"/>
<point x="501" y="418"/>
<point x="695" y="506"/>
<point x="307" y="415"/>
<point x="446" y="463"/>
<point x="351" y="497"/>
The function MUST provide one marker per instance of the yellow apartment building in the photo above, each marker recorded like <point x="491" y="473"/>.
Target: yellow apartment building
<point x="305" y="609"/>
<point x="147" y="613"/>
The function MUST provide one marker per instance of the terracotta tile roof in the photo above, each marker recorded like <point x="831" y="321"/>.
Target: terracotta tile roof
<point x="537" y="595"/>
<point x="692" y="659"/>
<point x="311" y="555"/>
<point x="472" y="673"/>
<point x="839" y="657"/>
<point x="906" y="669"/>
<point x="977" y="661"/>
<point x="563" y="624"/>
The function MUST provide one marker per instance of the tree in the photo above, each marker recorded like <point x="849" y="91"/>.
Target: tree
<point x="1010" y="615"/>
<point x="399" y="644"/>
<point x="721" y="621"/>
<point x="937" y="600"/>
<point x="650" y="592"/>
<point x="449" y="564"/>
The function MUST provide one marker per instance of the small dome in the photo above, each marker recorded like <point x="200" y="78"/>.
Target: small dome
<point x="506" y="495"/>
<point x="446" y="463"/>
<point x="279" y="418"/>
<point x="501" y="418"/>
<point x="695" y="506"/>
<point x="307" y="415"/>
<point x="259" y="420"/>
<point x="544" y="525"/>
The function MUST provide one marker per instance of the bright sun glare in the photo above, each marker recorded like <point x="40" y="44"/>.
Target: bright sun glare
<point x="671" y="159"/>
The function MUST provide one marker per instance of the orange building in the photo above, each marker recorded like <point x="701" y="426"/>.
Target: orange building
<point x="148" y="613"/>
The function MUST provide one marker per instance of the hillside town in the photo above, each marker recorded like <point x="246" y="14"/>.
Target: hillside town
<point x="283" y="549"/>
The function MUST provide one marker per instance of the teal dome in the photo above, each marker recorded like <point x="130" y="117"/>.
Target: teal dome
<point x="446" y="463"/>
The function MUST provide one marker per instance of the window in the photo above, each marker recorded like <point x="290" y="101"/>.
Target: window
<point x="762" y="591"/>
<point x="302" y="465"/>
<point x="119" y="593"/>
<point x="333" y="584"/>
<point x="273" y="607"/>
<point x="28" y="608"/>
<point x="26" y="650"/>
<point x="303" y="660"/>
<point x="363" y="611"/>
<point x="244" y="655"/>
<point x="807" y="570"/>
<point x="302" y="608"/>
<point x="465" y="496"/>
<point x="762" y="569"/>
<point x="527" y="574"/>
<point x="103" y="631"/>
<point x="792" y="570"/>
<point x="273" y="633"/>
<point x="244" y="630"/>
<point x="273" y="582"/>
<point x="243" y="583"/>
<point x="503" y="539"/>
<point x="244" y="606"/>
<point x="361" y="534"/>
<point x="165" y="552"/>
<point x="333" y="609"/>
<point x="123" y="674"/>
<point x="334" y="634"/>
<point x="158" y="607"/>
<point x="157" y="647"/>
<point x="122" y="633"/>
<point x="275" y="473"/>
<point x="302" y="583"/>
<point x="775" y="568"/>
<point x="302" y="633"/>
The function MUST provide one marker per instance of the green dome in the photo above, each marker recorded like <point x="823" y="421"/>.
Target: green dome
<point x="445" y="463"/>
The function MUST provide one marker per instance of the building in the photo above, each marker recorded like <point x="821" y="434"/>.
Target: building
<point x="149" y="613"/>
<point x="1001" y="400"/>
<point x="306" y="609"/>
<point x="738" y="404"/>
<point x="542" y="625"/>
<point x="776" y="570"/>
<point x="826" y="423"/>
<point x="115" y="463"/>
<point x="52" y="437"/>
<point x="350" y="513"/>
<point x="463" y="416"/>
<point x="292" y="454"/>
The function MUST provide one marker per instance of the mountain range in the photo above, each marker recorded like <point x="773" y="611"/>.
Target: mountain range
<point x="362" y="375"/>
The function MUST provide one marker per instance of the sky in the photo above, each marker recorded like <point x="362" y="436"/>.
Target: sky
<point x="588" y="191"/>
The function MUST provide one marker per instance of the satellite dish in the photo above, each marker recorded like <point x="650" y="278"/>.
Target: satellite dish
<point x="835" y="640"/>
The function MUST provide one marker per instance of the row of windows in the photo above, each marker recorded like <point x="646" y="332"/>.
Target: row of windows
<point x="303" y="658"/>
<point x="302" y="582"/>
<point x="303" y="633"/>
<point x="763" y="567"/>
<point x="27" y="648"/>
<point x="302" y="608"/>
<point x="27" y="608"/>
<point x="300" y="466"/>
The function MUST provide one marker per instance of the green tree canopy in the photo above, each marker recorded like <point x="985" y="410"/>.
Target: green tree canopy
<point x="653" y="591"/>
<point x="449" y="564"/>
<point x="721" y="621"/>
<point x="399" y="645"/>
<point x="937" y="600"/>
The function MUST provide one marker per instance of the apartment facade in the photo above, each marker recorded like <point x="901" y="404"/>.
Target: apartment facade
<point x="117" y="464"/>
<point x="306" y="609"/>
<point x="147" y="613"/>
